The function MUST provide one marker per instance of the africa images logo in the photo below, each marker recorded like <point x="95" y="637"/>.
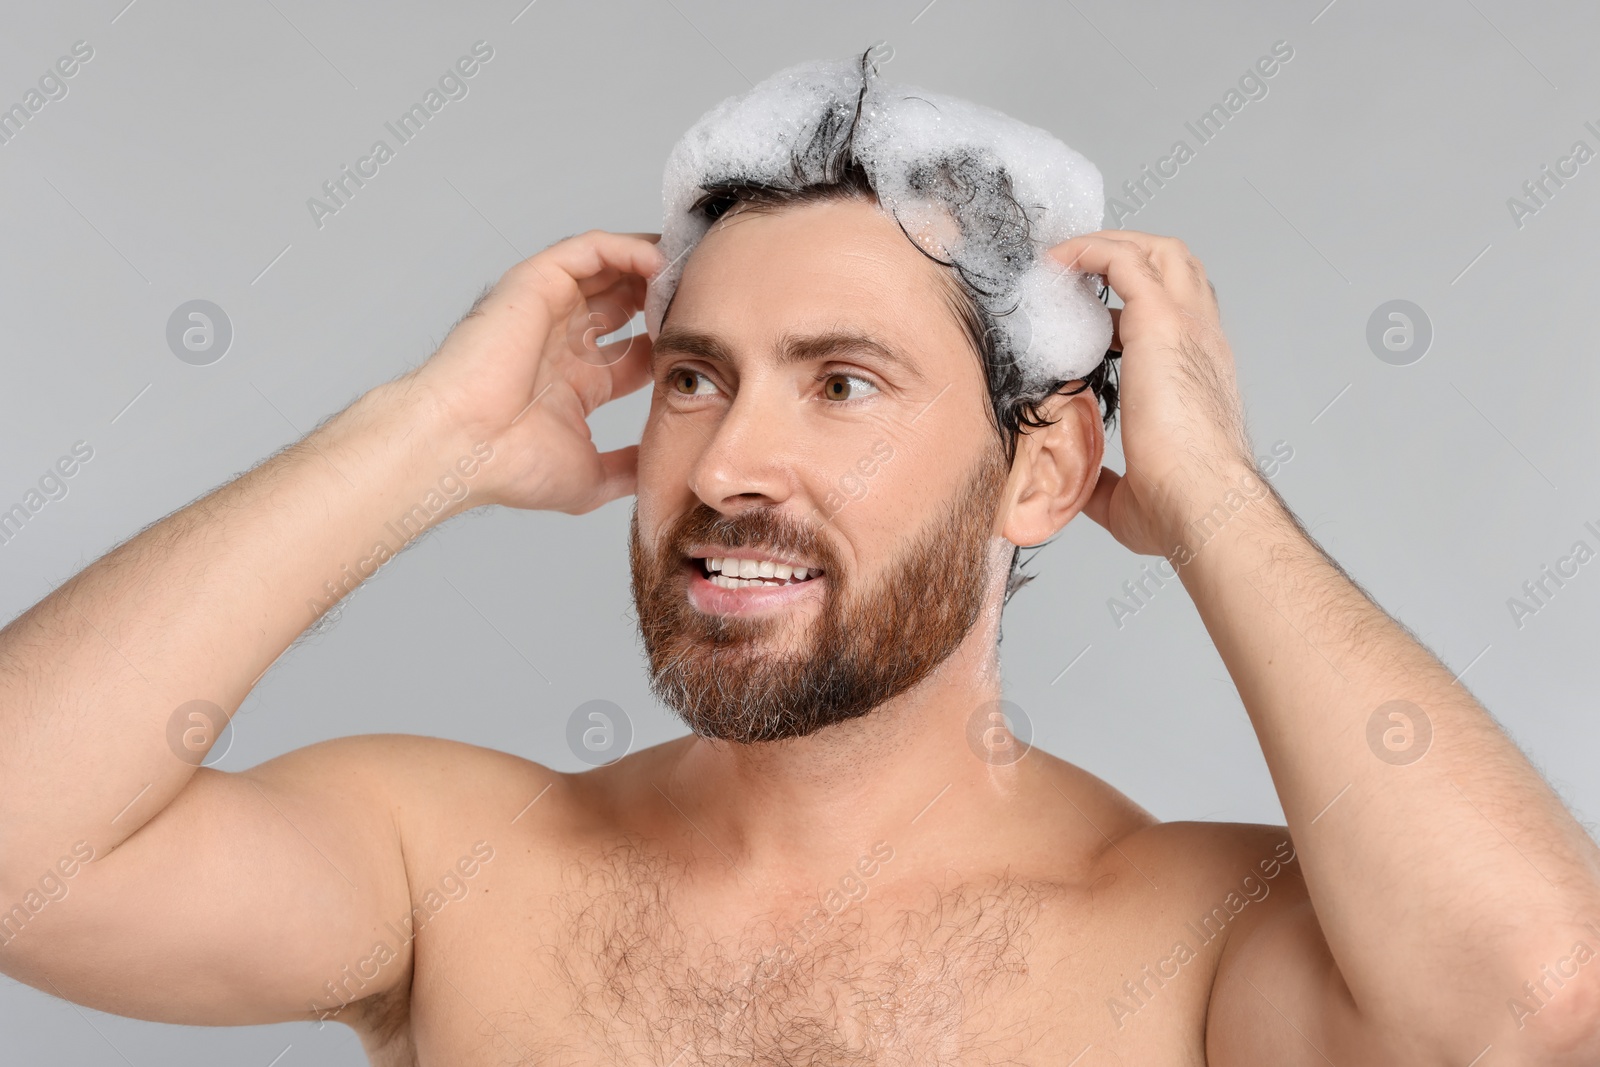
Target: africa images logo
<point x="341" y="189"/>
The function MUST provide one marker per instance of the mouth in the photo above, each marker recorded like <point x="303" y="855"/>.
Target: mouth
<point x="749" y="584"/>
<point x="735" y="572"/>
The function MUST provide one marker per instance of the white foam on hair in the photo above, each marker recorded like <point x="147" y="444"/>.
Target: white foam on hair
<point x="911" y="142"/>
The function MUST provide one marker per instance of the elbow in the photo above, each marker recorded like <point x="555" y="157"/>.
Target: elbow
<point x="1566" y="1030"/>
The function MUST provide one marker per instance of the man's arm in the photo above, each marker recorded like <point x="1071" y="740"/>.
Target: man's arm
<point x="1444" y="872"/>
<point x="135" y="881"/>
<point x="1448" y="880"/>
<point x="130" y="878"/>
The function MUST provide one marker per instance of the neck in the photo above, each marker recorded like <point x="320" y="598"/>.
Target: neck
<point x="907" y="767"/>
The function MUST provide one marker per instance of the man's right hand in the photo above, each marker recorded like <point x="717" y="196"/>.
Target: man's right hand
<point x="219" y="897"/>
<point x="522" y="371"/>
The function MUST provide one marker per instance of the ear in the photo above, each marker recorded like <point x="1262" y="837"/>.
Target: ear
<point x="1055" y="469"/>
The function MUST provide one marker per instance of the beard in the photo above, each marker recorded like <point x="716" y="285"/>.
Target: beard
<point x="868" y="644"/>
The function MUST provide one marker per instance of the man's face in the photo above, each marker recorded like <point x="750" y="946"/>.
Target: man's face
<point x="875" y="469"/>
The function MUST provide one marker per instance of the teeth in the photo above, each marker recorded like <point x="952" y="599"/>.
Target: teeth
<point x="728" y="582"/>
<point x="747" y="570"/>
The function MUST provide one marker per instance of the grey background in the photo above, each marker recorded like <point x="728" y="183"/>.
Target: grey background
<point x="1377" y="168"/>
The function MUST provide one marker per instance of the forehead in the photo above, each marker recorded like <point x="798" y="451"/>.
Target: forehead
<point x="833" y="265"/>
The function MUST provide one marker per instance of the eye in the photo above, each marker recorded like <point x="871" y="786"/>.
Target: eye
<point x="836" y="386"/>
<point x="686" y="381"/>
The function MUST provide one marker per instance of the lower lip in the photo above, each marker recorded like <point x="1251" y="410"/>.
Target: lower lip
<point x="712" y="599"/>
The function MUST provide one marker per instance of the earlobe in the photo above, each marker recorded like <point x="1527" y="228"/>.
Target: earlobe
<point x="1056" y="468"/>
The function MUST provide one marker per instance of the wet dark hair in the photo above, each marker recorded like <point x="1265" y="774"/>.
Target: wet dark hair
<point x="978" y="192"/>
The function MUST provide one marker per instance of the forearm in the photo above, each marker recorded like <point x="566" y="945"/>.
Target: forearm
<point x="1441" y="883"/>
<point x="195" y="608"/>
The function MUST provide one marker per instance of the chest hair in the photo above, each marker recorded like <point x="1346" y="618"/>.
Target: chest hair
<point x="937" y="977"/>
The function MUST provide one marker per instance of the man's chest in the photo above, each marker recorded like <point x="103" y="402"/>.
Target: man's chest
<point x="622" y="961"/>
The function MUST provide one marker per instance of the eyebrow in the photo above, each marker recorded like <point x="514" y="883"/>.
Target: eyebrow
<point x="792" y="348"/>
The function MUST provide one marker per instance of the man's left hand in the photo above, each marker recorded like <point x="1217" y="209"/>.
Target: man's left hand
<point x="1184" y="438"/>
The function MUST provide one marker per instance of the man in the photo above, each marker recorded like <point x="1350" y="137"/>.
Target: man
<point x="849" y="861"/>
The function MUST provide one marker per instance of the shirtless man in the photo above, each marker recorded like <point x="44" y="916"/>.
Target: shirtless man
<point x="889" y="879"/>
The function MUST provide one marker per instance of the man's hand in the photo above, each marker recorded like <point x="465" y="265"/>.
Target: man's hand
<point x="203" y="902"/>
<point x="1183" y="436"/>
<point x="522" y="371"/>
<point x="1401" y="851"/>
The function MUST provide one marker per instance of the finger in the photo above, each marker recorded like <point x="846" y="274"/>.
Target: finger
<point x="606" y="313"/>
<point x="599" y="283"/>
<point x="1125" y="265"/>
<point x="1180" y="269"/>
<point x="626" y="360"/>
<point x="611" y="277"/>
<point x="620" y="469"/>
<point x="1136" y="236"/>
<point x="629" y="362"/>
<point x="592" y="252"/>
<point x="614" y="306"/>
<point x="1098" y="507"/>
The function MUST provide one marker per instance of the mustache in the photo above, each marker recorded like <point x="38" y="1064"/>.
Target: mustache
<point x="767" y="527"/>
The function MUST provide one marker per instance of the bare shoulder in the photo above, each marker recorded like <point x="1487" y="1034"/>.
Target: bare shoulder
<point x="1214" y="852"/>
<point x="1242" y="892"/>
<point x="409" y="771"/>
<point x="447" y="804"/>
<point x="452" y="810"/>
<point x="444" y="794"/>
<point x="1184" y="862"/>
<point x="430" y="784"/>
<point x="1222" y="880"/>
<point x="1110" y="813"/>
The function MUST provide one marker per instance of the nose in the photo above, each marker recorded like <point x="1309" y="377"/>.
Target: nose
<point x="748" y="460"/>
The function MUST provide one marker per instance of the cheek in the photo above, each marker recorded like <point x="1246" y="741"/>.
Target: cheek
<point x="867" y="535"/>
<point x="904" y="493"/>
